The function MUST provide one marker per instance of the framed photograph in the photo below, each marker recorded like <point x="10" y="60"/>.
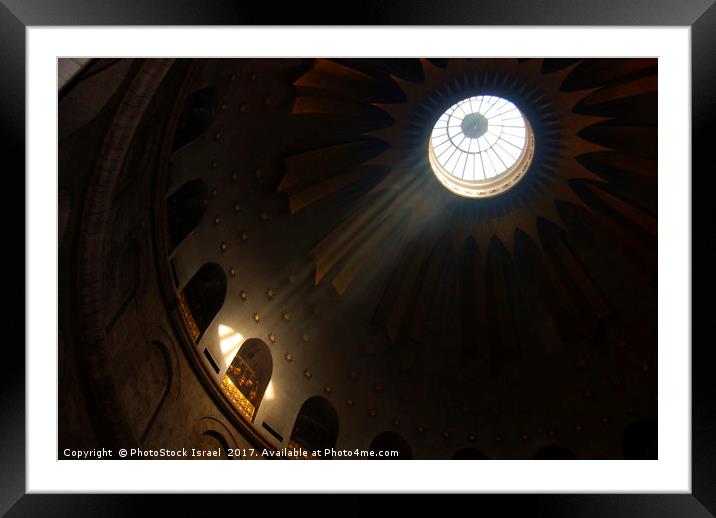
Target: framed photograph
<point x="415" y="236"/>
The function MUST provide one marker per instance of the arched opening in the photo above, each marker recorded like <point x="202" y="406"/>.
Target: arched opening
<point x="197" y="115"/>
<point x="202" y="299"/>
<point x="554" y="452"/>
<point x="387" y="442"/>
<point x="469" y="454"/>
<point x="185" y="208"/>
<point x="248" y="376"/>
<point x="316" y="427"/>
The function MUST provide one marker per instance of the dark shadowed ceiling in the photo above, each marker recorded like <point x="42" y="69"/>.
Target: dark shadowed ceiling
<point x="298" y="208"/>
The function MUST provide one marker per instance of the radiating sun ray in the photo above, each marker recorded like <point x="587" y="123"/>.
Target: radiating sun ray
<point x="409" y="197"/>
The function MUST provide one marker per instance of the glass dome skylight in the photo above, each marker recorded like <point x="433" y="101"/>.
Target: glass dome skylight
<point x="481" y="146"/>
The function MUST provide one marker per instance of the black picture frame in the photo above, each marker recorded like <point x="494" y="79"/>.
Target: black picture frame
<point x="17" y="15"/>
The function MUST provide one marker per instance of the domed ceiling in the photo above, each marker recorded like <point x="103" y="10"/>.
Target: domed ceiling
<point x="302" y="215"/>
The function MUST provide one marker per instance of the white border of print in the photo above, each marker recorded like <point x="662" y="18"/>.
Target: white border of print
<point x="671" y="473"/>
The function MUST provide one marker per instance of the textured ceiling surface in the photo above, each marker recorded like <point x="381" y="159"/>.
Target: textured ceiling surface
<point x="519" y="326"/>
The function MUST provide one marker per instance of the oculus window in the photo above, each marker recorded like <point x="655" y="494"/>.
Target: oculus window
<point x="481" y="146"/>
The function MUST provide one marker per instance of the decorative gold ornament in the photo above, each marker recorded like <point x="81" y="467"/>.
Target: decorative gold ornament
<point x="187" y="317"/>
<point x="237" y="398"/>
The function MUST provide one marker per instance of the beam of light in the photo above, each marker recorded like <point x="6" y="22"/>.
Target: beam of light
<point x="229" y="342"/>
<point x="269" y="393"/>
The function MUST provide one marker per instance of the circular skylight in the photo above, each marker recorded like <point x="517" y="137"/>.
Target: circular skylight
<point x="481" y="146"/>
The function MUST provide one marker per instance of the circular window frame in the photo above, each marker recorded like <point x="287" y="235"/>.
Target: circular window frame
<point x="489" y="187"/>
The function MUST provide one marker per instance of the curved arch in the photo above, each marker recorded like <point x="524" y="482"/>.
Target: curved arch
<point x="248" y="376"/>
<point x="198" y="113"/>
<point x="391" y="441"/>
<point x="169" y="375"/>
<point x="316" y="426"/>
<point x="554" y="452"/>
<point x="214" y="426"/>
<point x="469" y="454"/>
<point x="202" y="298"/>
<point x="93" y="239"/>
<point x="185" y="208"/>
<point x="208" y="440"/>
